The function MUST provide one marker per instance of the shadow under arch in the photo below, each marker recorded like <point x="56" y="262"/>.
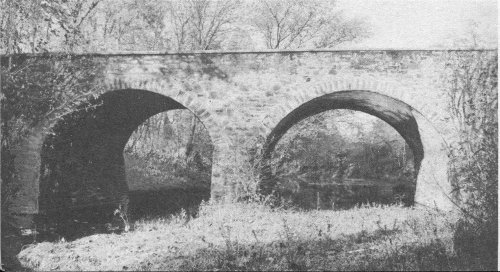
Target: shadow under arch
<point x="82" y="163"/>
<point x="394" y="112"/>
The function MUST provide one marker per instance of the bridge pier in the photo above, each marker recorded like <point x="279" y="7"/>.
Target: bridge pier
<point x="223" y="172"/>
<point x="233" y="175"/>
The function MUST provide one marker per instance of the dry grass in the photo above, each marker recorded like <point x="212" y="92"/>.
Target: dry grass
<point x="253" y="236"/>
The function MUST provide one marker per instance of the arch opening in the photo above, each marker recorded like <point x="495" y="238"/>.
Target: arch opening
<point x="396" y="113"/>
<point x="340" y="158"/>
<point x="168" y="165"/>
<point x="83" y="171"/>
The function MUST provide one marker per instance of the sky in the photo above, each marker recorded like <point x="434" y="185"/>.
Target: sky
<point x="423" y="24"/>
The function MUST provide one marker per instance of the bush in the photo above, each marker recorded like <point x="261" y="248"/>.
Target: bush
<point x="474" y="157"/>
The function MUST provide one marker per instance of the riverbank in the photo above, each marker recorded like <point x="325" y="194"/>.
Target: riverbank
<point x="253" y="236"/>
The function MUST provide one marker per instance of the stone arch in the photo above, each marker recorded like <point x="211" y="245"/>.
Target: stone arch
<point x="383" y="100"/>
<point x="27" y="160"/>
<point x="82" y="163"/>
<point x="185" y="98"/>
<point x="303" y="92"/>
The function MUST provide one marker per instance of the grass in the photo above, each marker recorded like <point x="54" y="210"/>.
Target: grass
<point x="252" y="236"/>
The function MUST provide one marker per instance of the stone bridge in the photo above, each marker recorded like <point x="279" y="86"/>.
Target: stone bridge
<point x="246" y="100"/>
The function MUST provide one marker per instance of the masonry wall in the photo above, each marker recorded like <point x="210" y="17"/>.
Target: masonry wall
<point x="240" y="97"/>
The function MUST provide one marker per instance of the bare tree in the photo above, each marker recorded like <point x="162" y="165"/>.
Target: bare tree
<point x="340" y="30"/>
<point x="201" y="24"/>
<point x="298" y="23"/>
<point x="70" y="17"/>
<point x="477" y="35"/>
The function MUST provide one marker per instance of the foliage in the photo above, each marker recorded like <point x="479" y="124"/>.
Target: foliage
<point x="32" y="26"/>
<point x="473" y="102"/>
<point x="30" y="98"/>
<point x="322" y="150"/>
<point x="169" y="148"/>
<point x="368" y="149"/>
<point x="246" y="173"/>
<point x="328" y="151"/>
<point x="384" y="155"/>
<point x="311" y="151"/>
<point x="177" y="133"/>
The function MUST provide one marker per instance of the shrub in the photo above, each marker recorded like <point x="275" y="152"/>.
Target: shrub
<point x="474" y="157"/>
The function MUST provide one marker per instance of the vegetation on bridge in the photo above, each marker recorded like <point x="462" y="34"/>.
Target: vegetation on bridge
<point x="473" y="101"/>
